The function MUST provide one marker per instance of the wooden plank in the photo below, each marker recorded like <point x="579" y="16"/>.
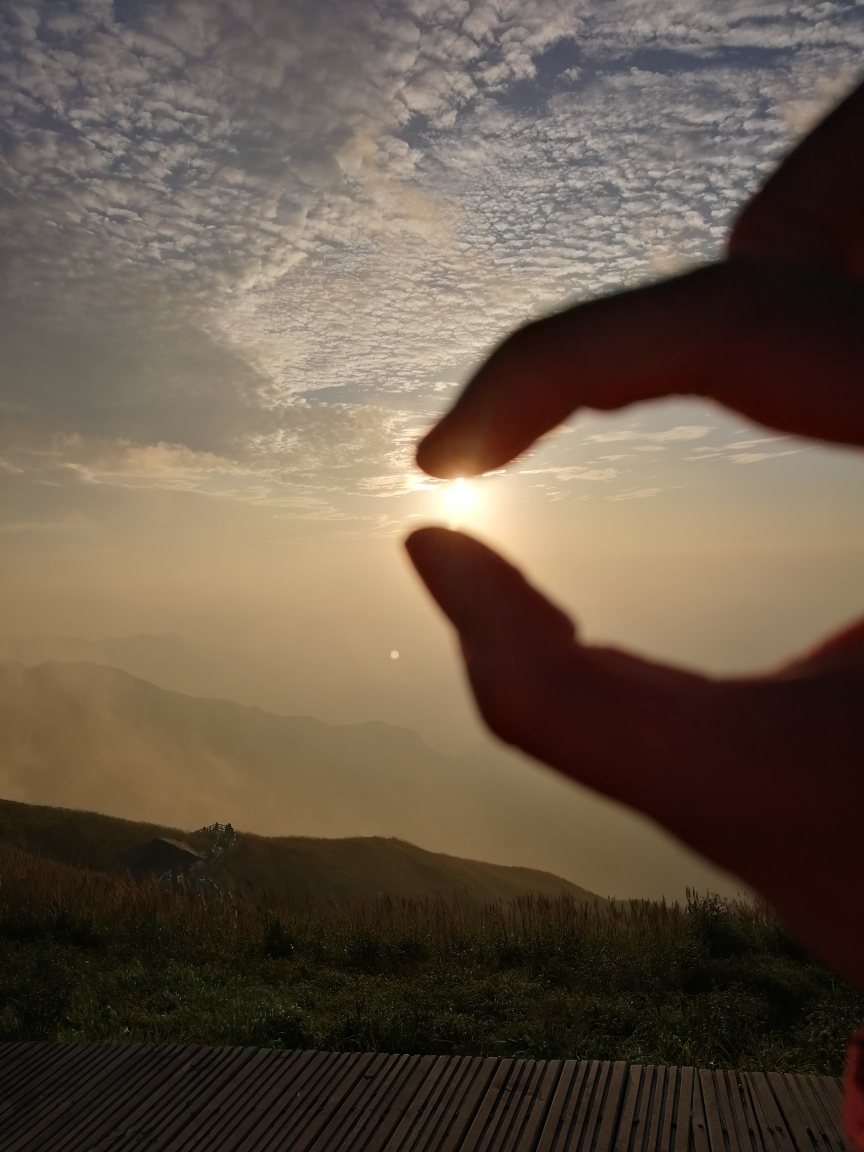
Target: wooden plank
<point x="485" y="1109"/>
<point x="628" y="1119"/>
<point x="646" y="1122"/>
<point x="530" y="1124"/>
<point x="145" y="1104"/>
<point x="33" y="1093"/>
<point x="287" y="1098"/>
<point x="12" y="1050"/>
<point x="567" y="1093"/>
<point x="54" y="1113"/>
<point x="812" y="1115"/>
<point x="341" y="1107"/>
<point x="804" y="1139"/>
<point x="113" y="1096"/>
<point x="726" y="1113"/>
<point x="521" y="1105"/>
<point x="387" y="1099"/>
<point x="775" y="1135"/>
<point x="238" y="1103"/>
<point x="40" y="1073"/>
<point x="236" y="1089"/>
<point x="297" y="1075"/>
<point x="183" y="1074"/>
<point x="684" y="1111"/>
<point x="747" y="1130"/>
<point x="833" y="1088"/>
<point x="403" y="1094"/>
<point x="579" y="1116"/>
<point x="317" y="1113"/>
<point x="636" y="1136"/>
<point x="110" y="1098"/>
<point x="586" y="1121"/>
<point x="825" y="1115"/>
<point x="447" y="1115"/>
<point x="26" y="1078"/>
<point x="335" y="1120"/>
<point x="827" y="1090"/>
<point x="19" y="1057"/>
<point x="507" y="1104"/>
<point x="417" y="1091"/>
<point x="764" y="1128"/>
<point x="293" y="1095"/>
<point x="456" y="1107"/>
<point x="666" y="1139"/>
<point x="457" y="1132"/>
<point x="184" y="1090"/>
<point x="611" y="1107"/>
<point x="184" y="1086"/>
<point x="652" y="1110"/>
<point x="698" y="1119"/>
<point x="442" y="1106"/>
<point x="717" y="1138"/>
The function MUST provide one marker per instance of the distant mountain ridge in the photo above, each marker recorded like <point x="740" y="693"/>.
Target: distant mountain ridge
<point x="167" y="660"/>
<point x="355" y="869"/>
<point x="88" y="736"/>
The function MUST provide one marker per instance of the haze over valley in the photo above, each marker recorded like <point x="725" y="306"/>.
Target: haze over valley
<point x="251" y="250"/>
<point x="89" y="736"/>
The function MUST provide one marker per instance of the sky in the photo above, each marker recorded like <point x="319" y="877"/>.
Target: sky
<point x="250" y="249"/>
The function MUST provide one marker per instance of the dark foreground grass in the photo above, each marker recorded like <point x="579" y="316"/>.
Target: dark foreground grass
<point x="87" y="956"/>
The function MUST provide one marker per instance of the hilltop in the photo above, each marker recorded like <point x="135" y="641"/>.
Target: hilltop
<point x="91" y="737"/>
<point x="355" y="868"/>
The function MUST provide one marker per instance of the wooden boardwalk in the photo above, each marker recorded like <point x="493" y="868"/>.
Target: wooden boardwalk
<point x="142" y="1097"/>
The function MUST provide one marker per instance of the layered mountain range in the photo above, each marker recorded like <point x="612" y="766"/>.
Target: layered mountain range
<point x="93" y="737"/>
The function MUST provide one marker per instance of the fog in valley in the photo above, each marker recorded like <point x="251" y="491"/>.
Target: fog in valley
<point x="249" y="254"/>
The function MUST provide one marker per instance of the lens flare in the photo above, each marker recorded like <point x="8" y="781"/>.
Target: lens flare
<point x="460" y="497"/>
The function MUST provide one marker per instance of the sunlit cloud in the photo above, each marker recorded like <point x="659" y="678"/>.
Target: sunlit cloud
<point x="572" y="473"/>
<point x="636" y="494"/>
<point x="681" y="432"/>
<point x="266" y="242"/>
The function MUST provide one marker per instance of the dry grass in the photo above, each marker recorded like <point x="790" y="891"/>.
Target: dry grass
<point x="86" y="955"/>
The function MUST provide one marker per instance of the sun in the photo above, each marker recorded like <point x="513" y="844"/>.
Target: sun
<point x="460" y="497"/>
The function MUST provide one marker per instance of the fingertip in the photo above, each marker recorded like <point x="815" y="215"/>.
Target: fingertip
<point x="482" y="594"/>
<point x="422" y="543"/>
<point x="441" y="556"/>
<point x="445" y="456"/>
<point x="441" y="559"/>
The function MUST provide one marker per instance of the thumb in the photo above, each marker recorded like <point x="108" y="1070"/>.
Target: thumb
<point x="608" y="719"/>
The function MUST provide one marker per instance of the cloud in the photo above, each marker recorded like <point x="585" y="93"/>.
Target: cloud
<point x="733" y="451"/>
<point x="756" y="457"/>
<point x="636" y="494"/>
<point x="670" y="435"/>
<point x="573" y="473"/>
<point x="212" y="213"/>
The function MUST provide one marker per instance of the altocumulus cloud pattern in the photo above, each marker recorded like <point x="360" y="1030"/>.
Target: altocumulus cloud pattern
<point x="249" y="247"/>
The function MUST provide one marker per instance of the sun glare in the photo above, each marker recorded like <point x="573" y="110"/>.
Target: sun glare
<point x="460" y="497"/>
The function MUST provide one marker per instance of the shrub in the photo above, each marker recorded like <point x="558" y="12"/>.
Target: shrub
<point x="90" y="956"/>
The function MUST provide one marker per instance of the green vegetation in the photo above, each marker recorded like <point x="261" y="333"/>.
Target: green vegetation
<point x="90" y="956"/>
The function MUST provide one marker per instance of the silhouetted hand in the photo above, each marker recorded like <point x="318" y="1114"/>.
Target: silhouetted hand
<point x="764" y="776"/>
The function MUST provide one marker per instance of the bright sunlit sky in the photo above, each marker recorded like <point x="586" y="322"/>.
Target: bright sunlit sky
<point x="249" y="250"/>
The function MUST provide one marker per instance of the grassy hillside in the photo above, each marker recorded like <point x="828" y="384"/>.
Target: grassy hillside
<point x="91" y="737"/>
<point x="355" y="869"/>
<point x="89" y="956"/>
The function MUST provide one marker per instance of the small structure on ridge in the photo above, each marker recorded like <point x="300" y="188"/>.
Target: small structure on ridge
<point x="159" y="856"/>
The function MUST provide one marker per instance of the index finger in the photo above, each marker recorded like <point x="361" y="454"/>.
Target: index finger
<point x="782" y="345"/>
